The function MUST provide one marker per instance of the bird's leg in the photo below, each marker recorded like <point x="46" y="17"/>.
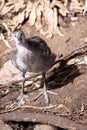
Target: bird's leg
<point x="22" y="96"/>
<point x="45" y="91"/>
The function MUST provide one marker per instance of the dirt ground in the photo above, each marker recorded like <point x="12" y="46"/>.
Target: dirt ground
<point x="71" y="101"/>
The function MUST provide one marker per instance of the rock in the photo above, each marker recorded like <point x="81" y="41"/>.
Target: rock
<point x="44" y="127"/>
<point x="4" y="126"/>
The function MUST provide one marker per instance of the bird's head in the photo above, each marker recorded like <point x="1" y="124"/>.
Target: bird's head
<point x="18" y="36"/>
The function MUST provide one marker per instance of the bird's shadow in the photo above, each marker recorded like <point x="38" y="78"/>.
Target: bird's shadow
<point x="63" y="75"/>
<point x="66" y="73"/>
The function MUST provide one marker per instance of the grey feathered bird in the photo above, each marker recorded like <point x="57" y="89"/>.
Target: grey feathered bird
<point x="32" y="55"/>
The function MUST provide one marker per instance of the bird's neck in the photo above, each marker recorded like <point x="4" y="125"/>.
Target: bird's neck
<point x="22" y="49"/>
<point x="19" y="45"/>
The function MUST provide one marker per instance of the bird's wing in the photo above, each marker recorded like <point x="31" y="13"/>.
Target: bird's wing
<point x="38" y="44"/>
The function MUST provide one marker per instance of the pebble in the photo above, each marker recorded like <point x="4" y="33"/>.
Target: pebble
<point x="44" y="127"/>
<point x="4" y="126"/>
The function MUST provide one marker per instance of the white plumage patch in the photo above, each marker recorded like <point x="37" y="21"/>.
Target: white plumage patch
<point x="22" y="54"/>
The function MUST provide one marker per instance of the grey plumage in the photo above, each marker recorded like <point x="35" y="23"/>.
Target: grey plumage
<point x="31" y="54"/>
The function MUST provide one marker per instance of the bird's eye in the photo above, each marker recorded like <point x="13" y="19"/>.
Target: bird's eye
<point x="21" y="35"/>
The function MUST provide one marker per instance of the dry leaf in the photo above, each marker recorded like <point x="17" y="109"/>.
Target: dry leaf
<point x="4" y="40"/>
<point x="55" y="23"/>
<point x="6" y="27"/>
<point x="32" y="16"/>
<point x="48" y="15"/>
<point x="15" y="21"/>
<point x="38" y="23"/>
<point x="2" y="4"/>
<point x="5" y="10"/>
<point x="63" y="12"/>
<point x="78" y="6"/>
<point x="28" y="9"/>
<point x="44" y="32"/>
<point x="19" y="5"/>
<point x="29" y="6"/>
<point x="17" y="11"/>
<point x="21" y="16"/>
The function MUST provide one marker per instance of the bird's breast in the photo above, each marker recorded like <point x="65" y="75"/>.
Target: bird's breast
<point x="23" y="57"/>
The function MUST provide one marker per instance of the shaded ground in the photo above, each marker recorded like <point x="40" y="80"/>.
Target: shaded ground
<point x="71" y="101"/>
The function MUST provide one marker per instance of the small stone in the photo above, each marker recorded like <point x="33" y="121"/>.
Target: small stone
<point x="4" y="126"/>
<point x="44" y="127"/>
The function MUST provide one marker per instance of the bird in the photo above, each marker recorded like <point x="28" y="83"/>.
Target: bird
<point x="32" y="55"/>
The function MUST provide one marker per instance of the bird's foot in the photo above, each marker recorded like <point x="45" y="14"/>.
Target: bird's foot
<point x="45" y="93"/>
<point x="22" y="99"/>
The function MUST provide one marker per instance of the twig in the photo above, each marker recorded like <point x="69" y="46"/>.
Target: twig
<point x="18" y="81"/>
<point x="27" y="106"/>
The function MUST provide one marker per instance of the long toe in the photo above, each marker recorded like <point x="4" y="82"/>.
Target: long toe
<point x="22" y="99"/>
<point x="46" y="96"/>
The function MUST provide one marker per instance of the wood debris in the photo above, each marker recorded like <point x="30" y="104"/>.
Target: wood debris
<point x="39" y="13"/>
